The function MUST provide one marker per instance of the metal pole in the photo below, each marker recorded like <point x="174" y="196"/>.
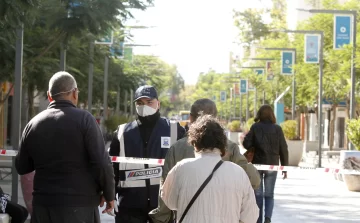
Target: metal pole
<point x="131" y="103"/>
<point x="264" y="97"/>
<point x="240" y="107"/>
<point x="234" y="103"/>
<point x="126" y="102"/>
<point x="62" y="57"/>
<point x="353" y="74"/>
<point x="117" y="109"/>
<point x="320" y="96"/>
<point x="255" y="102"/>
<point x="16" y="109"/>
<point x="91" y="77"/>
<point x="293" y="102"/>
<point x="247" y="106"/>
<point x="106" y="73"/>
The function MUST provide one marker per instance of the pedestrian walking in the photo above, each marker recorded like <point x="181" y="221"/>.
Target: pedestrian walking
<point x="149" y="136"/>
<point x="65" y="147"/>
<point x="182" y="150"/>
<point x="267" y="145"/>
<point x="206" y="189"/>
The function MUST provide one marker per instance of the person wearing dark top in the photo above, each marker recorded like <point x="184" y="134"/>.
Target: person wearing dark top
<point x="267" y="141"/>
<point x="149" y="136"/>
<point x="17" y="212"/>
<point x="65" y="147"/>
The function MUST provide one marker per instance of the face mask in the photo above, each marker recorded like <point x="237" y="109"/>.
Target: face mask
<point x="144" y="110"/>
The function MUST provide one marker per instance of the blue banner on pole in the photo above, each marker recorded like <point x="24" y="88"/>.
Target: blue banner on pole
<point x="117" y="50"/>
<point x="259" y="71"/>
<point x="222" y="96"/>
<point x="287" y="62"/>
<point x="243" y="86"/>
<point x="312" y="48"/>
<point x="342" y="30"/>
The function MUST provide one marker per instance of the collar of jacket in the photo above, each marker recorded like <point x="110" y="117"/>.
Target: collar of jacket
<point x="149" y="120"/>
<point x="61" y="103"/>
<point x="208" y="152"/>
<point x="267" y="122"/>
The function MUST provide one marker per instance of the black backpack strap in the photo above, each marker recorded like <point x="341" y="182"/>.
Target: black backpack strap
<point x="200" y="189"/>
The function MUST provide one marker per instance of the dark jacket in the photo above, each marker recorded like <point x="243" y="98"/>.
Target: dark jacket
<point x="142" y="138"/>
<point x="65" y="147"/>
<point x="269" y="143"/>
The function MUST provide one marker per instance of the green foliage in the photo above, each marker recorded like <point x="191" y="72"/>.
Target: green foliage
<point x="113" y="122"/>
<point x="249" y="123"/>
<point x="353" y="132"/>
<point x="234" y="126"/>
<point x="289" y="129"/>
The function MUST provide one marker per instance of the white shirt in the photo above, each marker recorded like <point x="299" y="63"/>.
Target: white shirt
<point x="227" y="198"/>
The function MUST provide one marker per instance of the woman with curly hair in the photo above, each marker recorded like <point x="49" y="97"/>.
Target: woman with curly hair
<point x="205" y="188"/>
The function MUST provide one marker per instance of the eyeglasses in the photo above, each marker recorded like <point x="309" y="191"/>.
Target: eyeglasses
<point x="65" y="92"/>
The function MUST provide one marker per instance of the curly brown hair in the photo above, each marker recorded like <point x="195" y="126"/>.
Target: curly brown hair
<point x="206" y="133"/>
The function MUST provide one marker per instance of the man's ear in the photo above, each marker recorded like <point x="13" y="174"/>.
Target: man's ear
<point x="49" y="97"/>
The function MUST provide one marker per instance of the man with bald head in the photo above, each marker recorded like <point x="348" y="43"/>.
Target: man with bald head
<point x="65" y="147"/>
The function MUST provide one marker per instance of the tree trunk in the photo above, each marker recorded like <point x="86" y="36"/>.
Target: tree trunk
<point x="332" y="126"/>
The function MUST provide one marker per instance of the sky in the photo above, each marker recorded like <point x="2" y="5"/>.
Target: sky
<point x="195" y="35"/>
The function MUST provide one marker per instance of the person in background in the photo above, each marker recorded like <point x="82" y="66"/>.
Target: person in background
<point x="149" y="136"/>
<point x="226" y="198"/>
<point x="267" y="143"/>
<point x="17" y="212"/>
<point x="65" y="147"/>
<point x="182" y="150"/>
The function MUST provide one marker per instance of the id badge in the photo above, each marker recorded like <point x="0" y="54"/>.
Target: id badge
<point x="165" y="142"/>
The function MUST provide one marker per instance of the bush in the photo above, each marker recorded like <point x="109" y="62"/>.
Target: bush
<point x="289" y="129"/>
<point x="234" y="126"/>
<point x="249" y="123"/>
<point x="353" y="132"/>
<point x="113" y="122"/>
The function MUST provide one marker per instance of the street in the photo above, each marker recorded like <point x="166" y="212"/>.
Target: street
<point x="309" y="197"/>
<point x="305" y="197"/>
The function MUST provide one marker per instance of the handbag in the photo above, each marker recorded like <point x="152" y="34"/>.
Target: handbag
<point x="249" y="154"/>
<point x="199" y="190"/>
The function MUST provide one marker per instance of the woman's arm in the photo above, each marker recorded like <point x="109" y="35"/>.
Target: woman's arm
<point x="248" y="141"/>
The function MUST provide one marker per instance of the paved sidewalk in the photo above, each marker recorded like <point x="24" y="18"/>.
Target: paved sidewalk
<point x="308" y="197"/>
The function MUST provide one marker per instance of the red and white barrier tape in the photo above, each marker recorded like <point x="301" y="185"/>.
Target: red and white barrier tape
<point x="114" y="159"/>
<point x="298" y="168"/>
<point x="160" y="162"/>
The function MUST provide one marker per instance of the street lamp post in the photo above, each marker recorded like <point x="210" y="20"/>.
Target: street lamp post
<point x="353" y="56"/>
<point x="293" y="100"/>
<point x="255" y="93"/>
<point x="321" y="65"/>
